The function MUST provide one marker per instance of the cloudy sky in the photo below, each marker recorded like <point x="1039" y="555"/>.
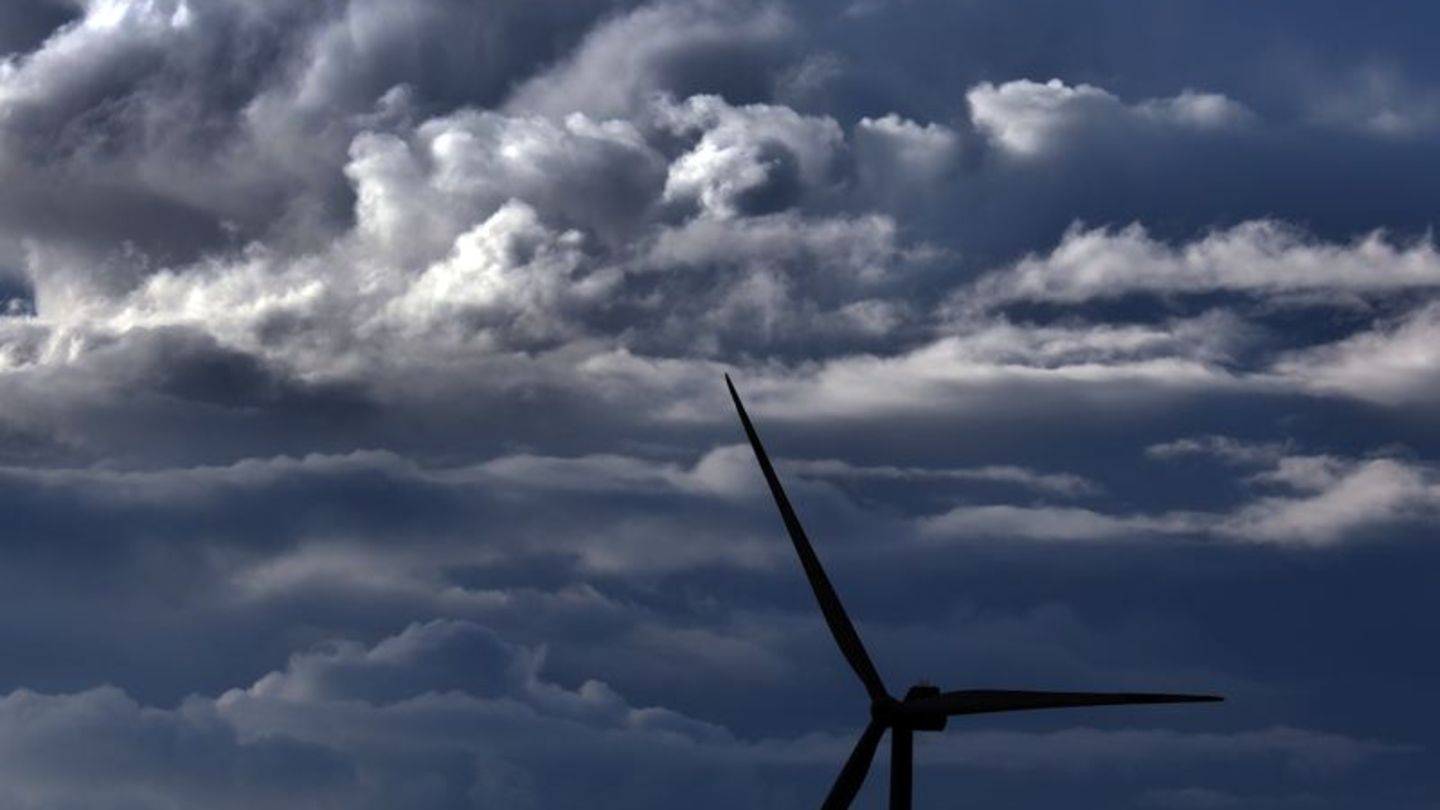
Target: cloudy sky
<point x="364" y="442"/>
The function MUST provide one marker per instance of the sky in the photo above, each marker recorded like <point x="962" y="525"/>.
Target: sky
<point x="364" y="440"/>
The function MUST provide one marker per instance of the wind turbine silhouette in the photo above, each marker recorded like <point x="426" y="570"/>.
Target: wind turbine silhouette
<point x="924" y="707"/>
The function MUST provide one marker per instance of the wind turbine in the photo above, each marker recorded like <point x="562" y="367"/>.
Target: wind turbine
<point x="924" y="707"/>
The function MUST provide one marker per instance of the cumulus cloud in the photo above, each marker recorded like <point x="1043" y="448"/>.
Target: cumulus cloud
<point x="515" y="263"/>
<point x="486" y="232"/>
<point x="900" y="161"/>
<point x="754" y="160"/>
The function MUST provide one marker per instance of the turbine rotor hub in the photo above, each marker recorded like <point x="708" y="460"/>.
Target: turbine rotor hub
<point x="885" y="710"/>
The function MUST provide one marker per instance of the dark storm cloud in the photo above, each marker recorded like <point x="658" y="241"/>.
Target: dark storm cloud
<point x="1097" y="345"/>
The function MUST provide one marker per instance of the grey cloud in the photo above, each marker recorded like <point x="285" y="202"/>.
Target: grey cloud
<point x="1061" y="484"/>
<point x="136" y="100"/>
<point x="457" y="170"/>
<point x="142" y="757"/>
<point x="537" y="284"/>
<point x="663" y="48"/>
<point x="113" y="103"/>
<point x="351" y="738"/>
<point x="222" y="503"/>
<point x="1224" y="448"/>
<point x="362" y="726"/>
<point x="901" y="163"/>
<point x="1047" y="523"/>
<point x="1315" y="754"/>
<point x="1197" y="798"/>
<point x="1375" y="98"/>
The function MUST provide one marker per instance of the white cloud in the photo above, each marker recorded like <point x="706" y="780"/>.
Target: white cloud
<point x="1027" y="118"/>
<point x="994" y="365"/>
<point x="1260" y="257"/>
<point x="1327" y="501"/>
<point x="756" y="158"/>
<point x="1196" y="110"/>
<point x="477" y="233"/>
<point x="510" y="271"/>
<point x="1394" y="363"/>
<point x="1366" y="495"/>
<point x="1024" y="116"/>
<point x="416" y="194"/>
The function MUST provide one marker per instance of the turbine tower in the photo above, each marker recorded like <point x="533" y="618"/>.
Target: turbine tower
<point x="924" y="707"/>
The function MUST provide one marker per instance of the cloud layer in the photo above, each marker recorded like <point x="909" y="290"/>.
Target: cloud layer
<point x="386" y="338"/>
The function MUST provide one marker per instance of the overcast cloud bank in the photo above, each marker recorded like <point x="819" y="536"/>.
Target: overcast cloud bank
<point x="324" y="321"/>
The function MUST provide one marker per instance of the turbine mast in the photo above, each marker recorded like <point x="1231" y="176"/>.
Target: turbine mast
<point x="902" y="767"/>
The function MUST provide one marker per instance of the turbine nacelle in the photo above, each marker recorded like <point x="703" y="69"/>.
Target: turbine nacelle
<point x="908" y="713"/>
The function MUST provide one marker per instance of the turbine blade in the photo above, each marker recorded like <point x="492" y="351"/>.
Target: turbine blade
<point x="840" y="626"/>
<point x="980" y="701"/>
<point x="852" y="776"/>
